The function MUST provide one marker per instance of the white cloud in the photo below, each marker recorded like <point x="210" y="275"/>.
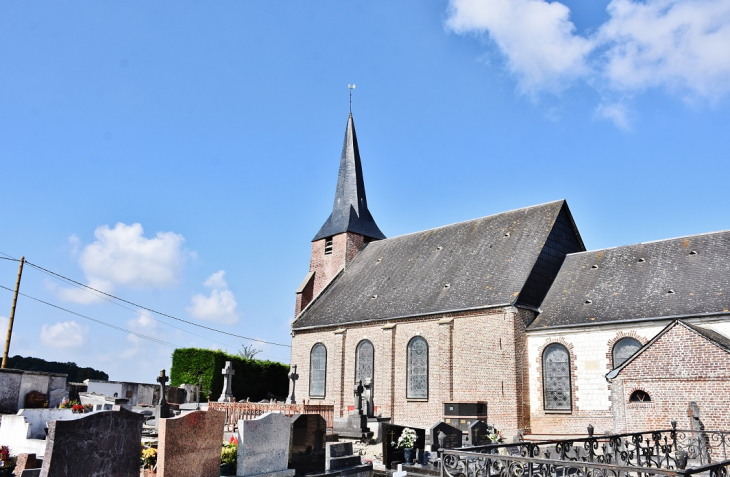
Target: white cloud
<point x="123" y="256"/>
<point x="3" y="324"/>
<point x="219" y="306"/>
<point x="536" y="37"/>
<point x="679" y="45"/>
<point x="144" y="325"/>
<point x="617" y="113"/>
<point x="64" y="335"/>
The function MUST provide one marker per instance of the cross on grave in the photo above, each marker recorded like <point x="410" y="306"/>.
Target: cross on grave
<point x="358" y="396"/>
<point x="228" y="372"/>
<point x="400" y="472"/>
<point x="391" y="436"/>
<point x="293" y="376"/>
<point x="162" y="379"/>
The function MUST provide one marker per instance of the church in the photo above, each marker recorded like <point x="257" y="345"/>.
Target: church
<point x="511" y="311"/>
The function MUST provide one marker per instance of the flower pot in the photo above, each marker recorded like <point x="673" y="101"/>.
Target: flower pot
<point x="228" y="469"/>
<point x="408" y="455"/>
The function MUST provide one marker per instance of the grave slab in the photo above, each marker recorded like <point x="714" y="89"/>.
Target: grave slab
<point x="102" y="444"/>
<point x="190" y="445"/>
<point x="263" y="446"/>
<point x="339" y="455"/>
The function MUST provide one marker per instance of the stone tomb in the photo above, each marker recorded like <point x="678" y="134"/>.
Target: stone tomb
<point x="479" y="433"/>
<point x="390" y="434"/>
<point x="263" y="446"/>
<point x="102" y="444"/>
<point x="452" y="436"/>
<point x="307" y="452"/>
<point x="190" y="445"/>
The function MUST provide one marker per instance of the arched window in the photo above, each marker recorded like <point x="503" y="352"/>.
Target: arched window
<point x="556" y="378"/>
<point x="640" y="396"/>
<point x="364" y="361"/>
<point x="623" y="349"/>
<point x="417" y="369"/>
<point x="318" y="371"/>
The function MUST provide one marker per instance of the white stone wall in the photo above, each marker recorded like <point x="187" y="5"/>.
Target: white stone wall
<point x="592" y="354"/>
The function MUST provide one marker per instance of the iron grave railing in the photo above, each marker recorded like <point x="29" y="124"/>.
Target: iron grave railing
<point x="461" y="463"/>
<point x="665" y="452"/>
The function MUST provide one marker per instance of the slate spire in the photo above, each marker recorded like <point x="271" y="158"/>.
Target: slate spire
<point x="350" y="211"/>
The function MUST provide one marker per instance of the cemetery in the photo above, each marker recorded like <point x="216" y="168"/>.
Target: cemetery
<point x="286" y="438"/>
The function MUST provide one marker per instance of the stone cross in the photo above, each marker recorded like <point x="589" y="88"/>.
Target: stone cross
<point x="162" y="379"/>
<point x="293" y="376"/>
<point x="358" y="396"/>
<point x="368" y="397"/>
<point x="228" y="372"/>
<point x="401" y="472"/>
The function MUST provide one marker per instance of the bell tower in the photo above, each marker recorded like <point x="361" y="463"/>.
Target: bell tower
<point x="346" y="231"/>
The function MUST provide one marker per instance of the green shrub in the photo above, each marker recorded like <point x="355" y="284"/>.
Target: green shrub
<point x="253" y="379"/>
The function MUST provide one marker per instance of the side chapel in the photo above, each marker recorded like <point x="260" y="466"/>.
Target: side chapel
<point x="511" y="310"/>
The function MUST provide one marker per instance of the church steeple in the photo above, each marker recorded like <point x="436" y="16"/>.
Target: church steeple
<point x="350" y="210"/>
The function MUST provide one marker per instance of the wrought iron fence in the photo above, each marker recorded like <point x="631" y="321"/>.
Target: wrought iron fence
<point x="669" y="449"/>
<point x="462" y="463"/>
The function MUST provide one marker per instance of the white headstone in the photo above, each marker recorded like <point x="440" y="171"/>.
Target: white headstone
<point x="263" y="446"/>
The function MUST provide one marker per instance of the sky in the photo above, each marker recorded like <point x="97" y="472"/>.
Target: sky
<point x="181" y="155"/>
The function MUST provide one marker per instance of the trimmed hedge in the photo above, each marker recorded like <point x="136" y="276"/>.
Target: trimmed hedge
<point x="253" y="379"/>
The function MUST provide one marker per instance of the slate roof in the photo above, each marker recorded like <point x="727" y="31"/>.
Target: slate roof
<point x="350" y="210"/>
<point x="679" y="277"/>
<point x="479" y="263"/>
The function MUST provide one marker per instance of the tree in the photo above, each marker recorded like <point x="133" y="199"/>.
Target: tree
<point x="248" y="352"/>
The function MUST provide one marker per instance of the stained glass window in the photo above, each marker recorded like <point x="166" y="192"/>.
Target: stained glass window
<point x="556" y="378"/>
<point x="623" y="349"/>
<point x="417" y="387"/>
<point x="318" y="371"/>
<point x="364" y="361"/>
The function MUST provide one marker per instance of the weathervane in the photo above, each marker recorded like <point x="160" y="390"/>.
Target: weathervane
<point x="350" y="87"/>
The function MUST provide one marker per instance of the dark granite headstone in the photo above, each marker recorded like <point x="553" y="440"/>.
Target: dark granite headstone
<point x="390" y="434"/>
<point x="479" y="433"/>
<point x="453" y="435"/>
<point x="307" y="451"/>
<point x="102" y="444"/>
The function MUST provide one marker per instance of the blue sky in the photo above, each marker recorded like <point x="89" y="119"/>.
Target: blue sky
<point x="181" y="155"/>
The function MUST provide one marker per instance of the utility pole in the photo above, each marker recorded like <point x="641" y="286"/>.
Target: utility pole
<point x="12" y="315"/>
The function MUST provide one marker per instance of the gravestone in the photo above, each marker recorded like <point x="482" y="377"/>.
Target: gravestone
<point x="263" y="446"/>
<point x="479" y="433"/>
<point x="102" y="444"/>
<point x="36" y="400"/>
<point x="27" y="461"/>
<point x="339" y="455"/>
<point x="293" y="376"/>
<point x="307" y="452"/>
<point x="367" y="396"/>
<point x="163" y="409"/>
<point x="390" y="434"/>
<point x="227" y="394"/>
<point x="452" y="436"/>
<point x="190" y="445"/>
<point x="30" y="473"/>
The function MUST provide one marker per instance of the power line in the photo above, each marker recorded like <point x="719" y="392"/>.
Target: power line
<point x="132" y="310"/>
<point x="150" y="338"/>
<point x="154" y="311"/>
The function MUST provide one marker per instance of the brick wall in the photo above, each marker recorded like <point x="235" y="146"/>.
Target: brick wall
<point x="679" y="367"/>
<point x="473" y="356"/>
<point x="345" y="248"/>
